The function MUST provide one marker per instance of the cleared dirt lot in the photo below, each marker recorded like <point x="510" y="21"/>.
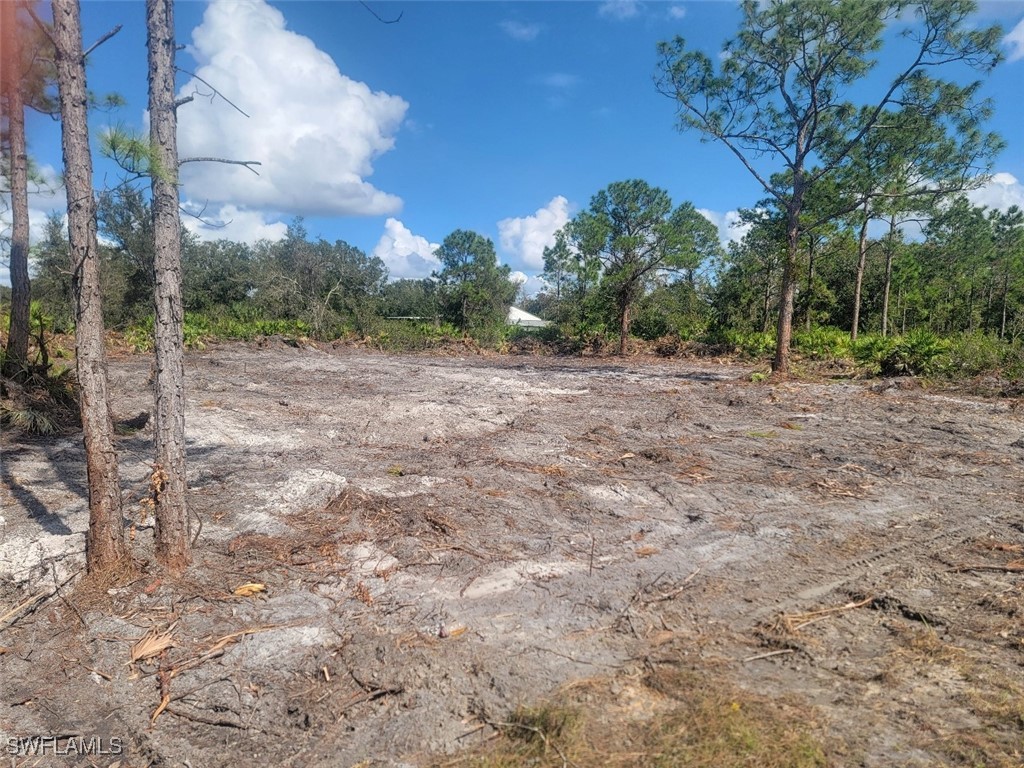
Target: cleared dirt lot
<point x="445" y="538"/>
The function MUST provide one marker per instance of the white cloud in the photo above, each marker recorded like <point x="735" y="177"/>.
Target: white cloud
<point x="528" y="286"/>
<point x="315" y="131"/>
<point x="619" y="9"/>
<point x="676" y="12"/>
<point x="1002" y="191"/>
<point x="525" y="237"/>
<point x="231" y="223"/>
<point x="405" y="254"/>
<point x="521" y="31"/>
<point x="1015" y="42"/>
<point x="730" y="226"/>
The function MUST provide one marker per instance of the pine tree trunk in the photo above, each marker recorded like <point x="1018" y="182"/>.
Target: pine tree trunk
<point x="624" y="323"/>
<point x="172" y="522"/>
<point x="105" y="541"/>
<point x="810" y="284"/>
<point x="10" y="88"/>
<point x="862" y="257"/>
<point x="784" y="330"/>
<point x="890" y="252"/>
<point x="1006" y="290"/>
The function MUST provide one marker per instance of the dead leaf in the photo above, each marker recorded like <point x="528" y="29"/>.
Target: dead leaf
<point x="151" y="645"/>
<point x="250" y="589"/>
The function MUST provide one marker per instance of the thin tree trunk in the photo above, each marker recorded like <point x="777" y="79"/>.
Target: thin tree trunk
<point x="105" y="541"/>
<point x="970" y="306"/>
<point x="624" y="322"/>
<point x="766" y="304"/>
<point x="172" y="522"/>
<point x="1006" y="290"/>
<point x="810" y="283"/>
<point x="862" y="257"/>
<point x="17" y="340"/>
<point x="784" y="331"/>
<point x="903" y="325"/>
<point x="890" y="252"/>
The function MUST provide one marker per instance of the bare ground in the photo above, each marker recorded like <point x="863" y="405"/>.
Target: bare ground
<point x="443" y="539"/>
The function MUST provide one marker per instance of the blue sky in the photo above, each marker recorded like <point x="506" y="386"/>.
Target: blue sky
<point x="502" y="117"/>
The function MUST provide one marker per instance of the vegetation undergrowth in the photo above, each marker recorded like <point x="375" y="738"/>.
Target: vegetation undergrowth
<point x="671" y="717"/>
<point x="36" y="396"/>
<point x="200" y="329"/>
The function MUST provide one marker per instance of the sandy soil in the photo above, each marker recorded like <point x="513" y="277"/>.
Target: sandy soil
<point x="445" y="538"/>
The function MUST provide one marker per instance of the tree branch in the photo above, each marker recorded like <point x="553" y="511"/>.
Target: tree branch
<point x="41" y="24"/>
<point x="377" y="16"/>
<point x="218" y="93"/>
<point x="101" y="41"/>
<point x="247" y="163"/>
<point x="199" y="216"/>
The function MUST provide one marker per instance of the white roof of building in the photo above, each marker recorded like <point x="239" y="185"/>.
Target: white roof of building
<point x="516" y="316"/>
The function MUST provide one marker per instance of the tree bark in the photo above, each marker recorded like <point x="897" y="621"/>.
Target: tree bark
<point x="17" y="340"/>
<point x="810" y="284"/>
<point x="172" y="523"/>
<point x="784" y="331"/>
<point x="890" y="252"/>
<point x="105" y="541"/>
<point x="1006" y="290"/>
<point x="624" y="323"/>
<point x="862" y="257"/>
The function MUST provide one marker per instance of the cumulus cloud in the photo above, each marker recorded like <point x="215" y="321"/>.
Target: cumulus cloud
<point x="619" y="9"/>
<point x="528" y="286"/>
<point x="730" y="226"/>
<point x="521" y="31"/>
<point x="405" y="254"/>
<point x="315" y="131"/>
<point x="676" y="12"/>
<point x="231" y="223"/>
<point x="524" y="238"/>
<point x="1002" y="191"/>
<point x="1015" y="42"/>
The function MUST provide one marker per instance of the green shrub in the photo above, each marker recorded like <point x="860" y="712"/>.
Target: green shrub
<point x="140" y="337"/>
<point x="919" y="352"/>
<point x="823" y="343"/>
<point x="751" y="343"/>
<point x="410" y="336"/>
<point x="977" y="353"/>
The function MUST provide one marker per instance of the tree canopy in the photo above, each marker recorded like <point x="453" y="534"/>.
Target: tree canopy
<point x="779" y="99"/>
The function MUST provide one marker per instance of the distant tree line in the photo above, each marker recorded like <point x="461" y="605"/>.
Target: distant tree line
<point x="630" y="260"/>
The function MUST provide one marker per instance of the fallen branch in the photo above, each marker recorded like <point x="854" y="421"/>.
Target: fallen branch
<point x="373" y="695"/>
<point x="27" y="607"/>
<point x="217" y="649"/>
<point x="768" y="655"/>
<point x="812" y="616"/>
<point x="673" y="592"/>
<point x="1016" y="566"/>
<point x="32" y="603"/>
<point x="205" y="720"/>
